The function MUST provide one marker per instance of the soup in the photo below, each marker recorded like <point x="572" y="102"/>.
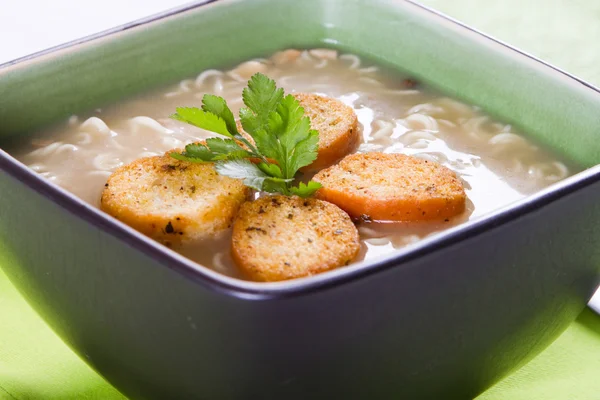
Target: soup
<point x="396" y="115"/>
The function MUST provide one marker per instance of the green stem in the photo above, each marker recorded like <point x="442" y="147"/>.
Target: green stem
<point x="252" y="148"/>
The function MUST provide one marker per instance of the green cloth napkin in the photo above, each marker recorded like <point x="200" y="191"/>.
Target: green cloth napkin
<point x="36" y="365"/>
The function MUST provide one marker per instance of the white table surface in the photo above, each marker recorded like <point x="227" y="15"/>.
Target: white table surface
<point x="595" y="302"/>
<point x="29" y="26"/>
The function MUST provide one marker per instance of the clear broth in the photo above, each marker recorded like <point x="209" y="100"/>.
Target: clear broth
<point x="497" y="165"/>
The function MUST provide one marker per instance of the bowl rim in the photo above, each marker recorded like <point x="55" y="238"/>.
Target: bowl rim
<point x="260" y="290"/>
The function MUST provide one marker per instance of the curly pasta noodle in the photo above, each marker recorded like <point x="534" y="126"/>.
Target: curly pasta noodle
<point x="496" y="163"/>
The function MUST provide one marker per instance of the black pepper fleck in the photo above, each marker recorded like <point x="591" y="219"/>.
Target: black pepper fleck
<point x="254" y="228"/>
<point x="169" y="228"/>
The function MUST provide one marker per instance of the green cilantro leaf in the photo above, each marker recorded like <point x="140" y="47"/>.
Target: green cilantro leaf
<point x="305" y="151"/>
<point x="276" y="187"/>
<point x="202" y="119"/>
<point x="271" y="169"/>
<point x="281" y="138"/>
<point x="305" y="190"/>
<point x="215" y="149"/>
<point x="267" y="144"/>
<point x="290" y="121"/>
<point x="195" y="152"/>
<point x="218" y="106"/>
<point x="249" y="121"/>
<point x="182" y="157"/>
<point x="243" y="169"/>
<point x="218" y="145"/>
<point x="262" y="97"/>
<point x="234" y="155"/>
<point x="287" y="128"/>
<point x="253" y="176"/>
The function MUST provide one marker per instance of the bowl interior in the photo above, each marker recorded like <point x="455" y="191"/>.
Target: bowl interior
<point x="555" y="109"/>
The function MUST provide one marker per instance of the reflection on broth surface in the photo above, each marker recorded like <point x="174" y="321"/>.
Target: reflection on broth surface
<point x="398" y="115"/>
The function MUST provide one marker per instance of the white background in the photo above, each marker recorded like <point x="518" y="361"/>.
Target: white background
<point x="28" y="26"/>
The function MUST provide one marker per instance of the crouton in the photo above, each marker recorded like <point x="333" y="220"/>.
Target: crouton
<point x="173" y="201"/>
<point x="392" y="187"/>
<point x="278" y="238"/>
<point x="337" y="125"/>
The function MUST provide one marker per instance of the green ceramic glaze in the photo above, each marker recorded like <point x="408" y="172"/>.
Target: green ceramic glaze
<point x="557" y="111"/>
<point x="442" y="321"/>
<point x="108" y="69"/>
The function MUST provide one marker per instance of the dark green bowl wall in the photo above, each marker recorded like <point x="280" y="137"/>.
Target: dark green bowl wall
<point x="557" y="111"/>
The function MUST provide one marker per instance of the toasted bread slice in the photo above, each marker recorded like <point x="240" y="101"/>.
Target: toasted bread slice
<point x="337" y="125"/>
<point x="278" y="238"/>
<point x="392" y="187"/>
<point x="173" y="201"/>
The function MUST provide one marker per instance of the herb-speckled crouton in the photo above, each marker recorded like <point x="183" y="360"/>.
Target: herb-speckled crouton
<point x="173" y="201"/>
<point x="278" y="238"/>
<point x="392" y="187"/>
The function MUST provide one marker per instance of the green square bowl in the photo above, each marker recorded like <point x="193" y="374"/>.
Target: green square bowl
<point x="441" y="319"/>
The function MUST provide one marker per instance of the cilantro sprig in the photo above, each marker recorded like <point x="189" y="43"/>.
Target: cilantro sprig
<point x="281" y="142"/>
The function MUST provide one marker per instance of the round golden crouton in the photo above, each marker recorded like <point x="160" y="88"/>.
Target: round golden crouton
<point x="173" y="201"/>
<point x="337" y="125"/>
<point x="277" y="238"/>
<point x="392" y="187"/>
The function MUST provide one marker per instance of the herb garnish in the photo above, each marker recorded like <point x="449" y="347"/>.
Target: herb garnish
<point x="283" y="141"/>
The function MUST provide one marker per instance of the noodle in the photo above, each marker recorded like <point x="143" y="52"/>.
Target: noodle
<point x="95" y="124"/>
<point x="421" y="121"/>
<point x="209" y="73"/>
<point x="249" y="68"/>
<point x="496" y="164"/>
<point x="354" y="60"/>
<point x="325" y="54"/>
